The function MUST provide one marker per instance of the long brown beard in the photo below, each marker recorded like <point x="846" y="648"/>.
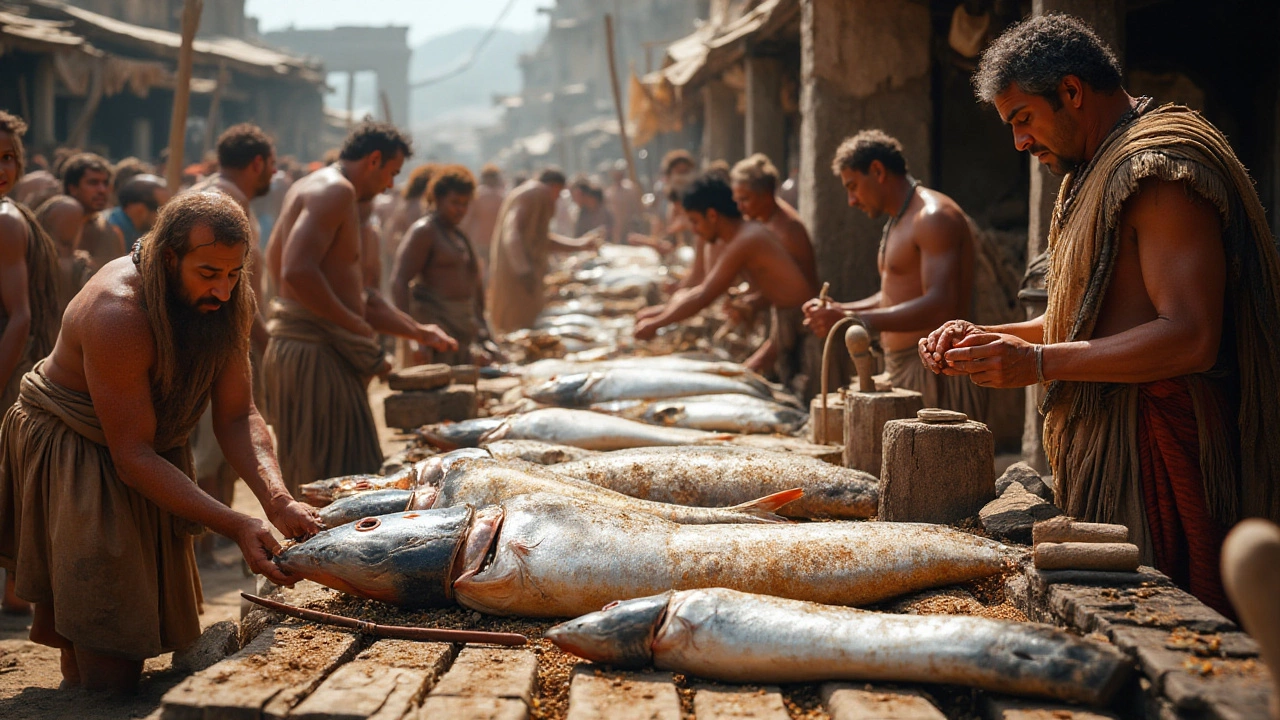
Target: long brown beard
<point x="202" y="341"/>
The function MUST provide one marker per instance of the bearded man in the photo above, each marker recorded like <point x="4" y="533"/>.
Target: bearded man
<point x="97" y="503"/>
<point x="1158" y="343"/>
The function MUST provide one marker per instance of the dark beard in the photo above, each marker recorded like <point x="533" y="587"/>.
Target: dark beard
<point x="200" y="338"/>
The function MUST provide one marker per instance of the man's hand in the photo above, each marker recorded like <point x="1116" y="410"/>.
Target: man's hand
<point x="933" y="349"/>
<point x="648" y="312"/>
<point x="821" y="315"/>
<point x="760" y="360"/>
<point x="647" y="329"/>
<point x="258" y="546"/>
<point x="993" y="360"/>
<point x="294" y="519"/>
<point x="436" y="339"/>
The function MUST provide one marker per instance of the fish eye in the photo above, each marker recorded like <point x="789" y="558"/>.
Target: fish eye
<point x="367" y="524"/>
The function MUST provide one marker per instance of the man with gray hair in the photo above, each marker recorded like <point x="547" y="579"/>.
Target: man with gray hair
<point x="926" y="263"/>
<point x="1158" y="345"/>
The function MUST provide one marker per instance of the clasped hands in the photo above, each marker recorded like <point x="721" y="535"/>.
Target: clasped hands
<point x="990" y="359"/>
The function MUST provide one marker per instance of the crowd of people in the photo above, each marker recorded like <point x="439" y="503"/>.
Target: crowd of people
<point x="151" y="334"/>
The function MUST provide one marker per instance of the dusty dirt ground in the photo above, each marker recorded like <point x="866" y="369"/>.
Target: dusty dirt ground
<point x="29" y="673"/>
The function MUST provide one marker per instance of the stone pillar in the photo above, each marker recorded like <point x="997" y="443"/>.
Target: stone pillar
<point x="142" y="145"/>
<point x="43" y="107"/>
<point x="864" y="64"/>
<point x="766" y="121"/>
<point x="723" y="130"/>
<point x="1107" y="19"/>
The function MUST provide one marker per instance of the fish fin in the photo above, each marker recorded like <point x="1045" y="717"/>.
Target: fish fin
<point x="767" y="506"/>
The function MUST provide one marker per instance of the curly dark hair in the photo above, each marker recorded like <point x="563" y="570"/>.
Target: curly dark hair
<point x="419" y="179"/>
<point x="859" y="151"/>
<point x="451" y="179"/>
<point x="676" y="157"/>
<point x="1039" y="52"/>
<point x="710" y="192"/>
<point x="77" y="165"/>
<point x="15" y="127"/>
<point x="552" y="175"/>
<point x="369" y="136"/>
<point x="240" y="144"/>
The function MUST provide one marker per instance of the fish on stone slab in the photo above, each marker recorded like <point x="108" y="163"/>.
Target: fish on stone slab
<point x="545" y="555"/>
<point x="738" y="637"/>
<point x="554" y="556"/>
<point x="583" y="389"/>
<point x="322" y="492"/>
<point x="722" y="476"/>
<point x="484" y="482"/>
<point x="591" y="430"/>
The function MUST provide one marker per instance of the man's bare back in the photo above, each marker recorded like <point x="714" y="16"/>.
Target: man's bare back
<point x="786" y="225"/>
<point x="319" y="228"/>
<point x="758" y="254"/>
<point x="110" y="302"/>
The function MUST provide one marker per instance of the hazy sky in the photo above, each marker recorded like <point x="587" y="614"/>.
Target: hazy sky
<point x="425" y="18"/>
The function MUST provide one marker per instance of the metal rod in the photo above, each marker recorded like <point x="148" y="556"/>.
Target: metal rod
<point x="398" y="632"/>
<point x="617" y="102"/>
<point x="826" y="370"/>
<point x="191" y="10"/>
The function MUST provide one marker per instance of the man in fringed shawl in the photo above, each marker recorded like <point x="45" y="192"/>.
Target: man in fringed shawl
<point x="323" y="349"/>
<point x="28" y="289"/>
<point x="97" y="501"/>
<point x="1158" y="346"/>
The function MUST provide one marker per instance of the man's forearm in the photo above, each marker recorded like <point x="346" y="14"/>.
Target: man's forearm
<point x="1156" y="350"/>
<point x="388" y="320"/>
<point x="1030" y="330"/>
<point x="921" y="312"/>
<point x="682" y="307"/>
<point x="246" y="443"/>
<point x="862" y="305"/>
<point x="161" y="482"/>
<point x="568" y="244"/>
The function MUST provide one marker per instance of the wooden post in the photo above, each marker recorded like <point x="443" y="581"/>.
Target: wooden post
<point x="191" y="10"/>
<point x="617" y="101"/>
<point x="80" y="133"/>
<point x="211" y="122"/>
<point x="386" y="105"/>
<point x="351" y="98"/>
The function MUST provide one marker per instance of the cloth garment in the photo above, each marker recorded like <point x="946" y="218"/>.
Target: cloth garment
<point x="118" y="570"/>
<point x="456" y="317"/>
<point x="798" y="364"/>
<point x="120" y="220"/>
<point x="518" y="258"/>
<point x="1093" y="432"/>
<point x="316" y="377"/>
<point x="43" y="289"/>
<point x="905" y="370"/>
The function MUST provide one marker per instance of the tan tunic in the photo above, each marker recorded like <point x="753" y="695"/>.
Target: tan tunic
<point x="949" y="392"/>
<point x="118" y="571"/>
<point x="518" y="259"/>
<point x="316" y="377"/>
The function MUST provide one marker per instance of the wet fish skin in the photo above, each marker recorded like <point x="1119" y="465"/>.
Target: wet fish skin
<point x="431" y="470"/>
<point x="591" y="431"/>
<point x="464" y="434"/>
<point x="549" y="368"/>
<point x="725" y="416"/>
<point x="535" y="451"/>
<point x="481" y="483"/>
<point x="322" y="492"/>
<point x="721" y="476"/>
<point x="556" y="557"/>
<point x="406" y="560"/>
<point x="363" y="505"/>
<point x="738" y="637"/>
<point x="583" y="389"/>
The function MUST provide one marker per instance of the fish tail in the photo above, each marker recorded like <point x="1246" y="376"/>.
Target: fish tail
<point x="767" y="506"/>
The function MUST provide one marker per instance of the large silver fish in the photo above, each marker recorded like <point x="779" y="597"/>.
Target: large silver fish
<point x="551" y="367"/>
<point x="716" y="476"/>
<point x="583" y="389"/>
<point x="554" y="556"/>
<point x="365" y="504"/>
<point x="535" y="451"/>
<point x="481" y="482"/>
<point x="590" y="430"/>
<point x="739" y="637"/>
<point x="454" y="435"/>
<point x="730" y="414"/>
<point x="323" y="492"/>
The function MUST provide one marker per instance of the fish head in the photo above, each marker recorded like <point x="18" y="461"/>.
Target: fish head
<point x="405" y="559"/>
<point x="365" y="504"/>
<point x="431" y="474"/>
<point x="562" y="390"/>
<point x="667" y="413"/>
<point x="1054" y="663"/>
<point x="464" y="434"/>
<point x="620" y="635"/>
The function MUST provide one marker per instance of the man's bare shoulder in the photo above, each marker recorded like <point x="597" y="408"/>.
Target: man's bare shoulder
<point x="12" y="222"/>
<point x="61" y="206"/>
<point x="940" y="219"/>
<point x="217" y="183"/>
<point x="109" y="304"/>
<point x="422" y="230"/>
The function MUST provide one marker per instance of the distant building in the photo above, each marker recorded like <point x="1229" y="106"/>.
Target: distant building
<point x="99" y="74"/>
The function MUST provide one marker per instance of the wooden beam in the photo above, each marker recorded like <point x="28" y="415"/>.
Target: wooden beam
<point x="617" y="101"/>
<point x="191" y="10"/>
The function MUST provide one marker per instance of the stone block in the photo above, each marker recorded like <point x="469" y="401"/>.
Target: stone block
<point x="1012" y="515"/>
<point x="596" y="695"/>
<point x="408" y="410"/>
<point x="465" y="374"/>
<point x="935" y="472"/>
<point x="491" y="672"/>
<point x="998" y="708"/>
<point x="832" y="422"/>
<point x="421" y="377"/>
<point x="865" y="416"/>
<point x="738" y="703"/>
<point x="381" y="683"/>
<point x="1023" y="474"/>
<point x="850" y="702"/>
<point x="218" y="641"/>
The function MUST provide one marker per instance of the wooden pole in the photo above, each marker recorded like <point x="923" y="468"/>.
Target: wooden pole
<point x="211" y="122"/>
<point x="386" y="106"/>
<point x="351" y="98"/>
<point x="617" y="101"/>
<point x="191" y="10"/>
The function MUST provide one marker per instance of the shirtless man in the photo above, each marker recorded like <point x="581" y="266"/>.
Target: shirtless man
<point x="323" y="350"/>
<point x="624" y="201"/>
<point x="436" y="278"/>
<point x="926" y="268"/>
<point x="482" y="215"/>
<point x="30" y="316"/>
<point x="95" y="480"/>
<point x="755" y="184"/>
<point x="140" y="198"/>
<point x="750" y="249"/>
<point x="86" y="180"/>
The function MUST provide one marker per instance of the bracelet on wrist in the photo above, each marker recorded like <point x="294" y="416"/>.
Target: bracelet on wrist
<point x="1039" y="352"/>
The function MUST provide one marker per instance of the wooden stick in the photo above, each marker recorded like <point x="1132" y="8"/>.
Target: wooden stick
<point x="617" y="101"/>
<point x="191" y="10"/>
<point x="398" y="632"/>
